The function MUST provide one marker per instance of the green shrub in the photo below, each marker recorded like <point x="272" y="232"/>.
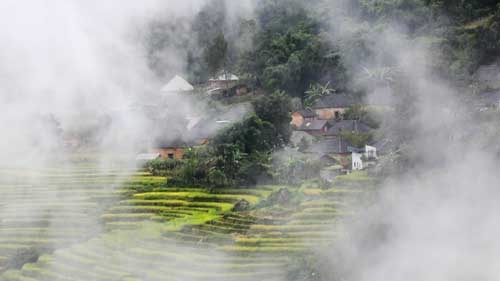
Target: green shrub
<point x="217" y="178"/>
<point x="163" y="167"/>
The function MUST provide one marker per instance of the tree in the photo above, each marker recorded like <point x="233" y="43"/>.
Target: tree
<point x="362" y="114"/>
<point x="289" y="53"/>
<point x="250" y="135"/>
<point x="228" y="160"/>
<point x="315" y="92"/>
<point x="357" y="139"/>
<point x="275" y="109"/>
<point x="215" y="55"/>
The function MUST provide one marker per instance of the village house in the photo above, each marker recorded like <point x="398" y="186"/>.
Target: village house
<point x="357" y="162"/>
<point x="198" y="132"/>
<point x="301" y="116"/>
<point x="333" y="106"/>
<point x="226" y="84"/>
<point x="224" y="80"/>
<point x="176" y="85"/>
<point x="172" y="149"/>
<point x="363" y="158"/>
<point x="315" y="127"/>
<point x="370" y="152"/>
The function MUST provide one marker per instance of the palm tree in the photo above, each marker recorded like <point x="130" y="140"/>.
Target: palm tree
<point x="315" y="92"/>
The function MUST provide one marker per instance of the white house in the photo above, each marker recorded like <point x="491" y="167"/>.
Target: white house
<point x="177" y="85"/>
<point x="370" y="152"/>
<point x="357" y="162"/>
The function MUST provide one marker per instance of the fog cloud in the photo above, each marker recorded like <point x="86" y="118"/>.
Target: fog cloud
<point x="435" y="222"/>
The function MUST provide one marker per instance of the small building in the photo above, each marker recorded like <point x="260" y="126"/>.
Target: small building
<point x="224" y="80"/>
<point x="301" y="116"/>
<point x="370" y="152"/>
<point x="357" y="161"/>
<point x="315" y="127"/>
<point x="333" y="106"/>
<point x="172" y="149"/>
<point x="177" y="85"/>
<point x="171" y="152"/>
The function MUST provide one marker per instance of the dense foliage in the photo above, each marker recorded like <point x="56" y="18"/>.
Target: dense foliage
<point x="240" y="154"/>
<point x="289" y="48"/>
<point x="289" y="52"/>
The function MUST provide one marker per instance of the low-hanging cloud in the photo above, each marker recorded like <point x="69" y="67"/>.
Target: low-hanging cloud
<point x="436" y="221"/>
<point x="80" y="68"/>
<point x="83" y="64"/>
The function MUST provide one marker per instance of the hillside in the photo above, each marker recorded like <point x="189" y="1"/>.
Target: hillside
<point x="273" y="140"/>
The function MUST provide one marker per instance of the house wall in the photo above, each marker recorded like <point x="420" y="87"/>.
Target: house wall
<point x="164" y="152"/>
<point x="297" y="119"/>
<point x="329" y="113"/>
<point x="357" y="163"/>
<point x="370" y="152"/>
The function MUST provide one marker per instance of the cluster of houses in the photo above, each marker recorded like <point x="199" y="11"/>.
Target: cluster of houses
<point x="196" y="130"/>
<point x="322" y="128"/>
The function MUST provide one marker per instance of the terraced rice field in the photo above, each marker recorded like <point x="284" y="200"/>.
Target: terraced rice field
<point x="47" y="209"/>
<point x="82" y="224"/>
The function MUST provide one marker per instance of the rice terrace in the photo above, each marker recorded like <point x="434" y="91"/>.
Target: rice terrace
<point x="184" y="233"/>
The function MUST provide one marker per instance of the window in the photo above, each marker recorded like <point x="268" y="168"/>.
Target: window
<point x="170" y="156"/>
<point x="337" y="115"/>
